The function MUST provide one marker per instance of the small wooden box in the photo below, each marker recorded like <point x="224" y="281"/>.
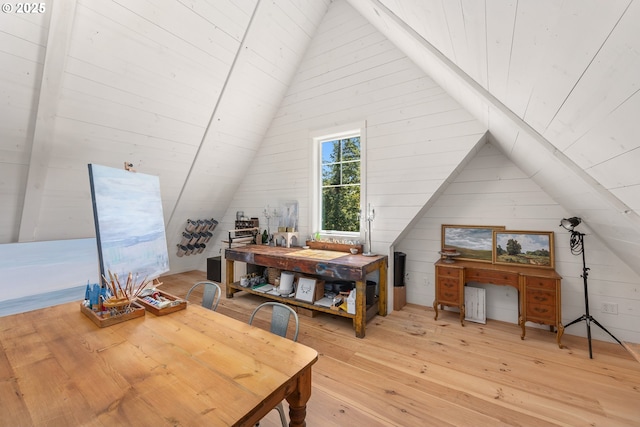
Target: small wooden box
<point x="306" y="312"/>
<point x="103" y="322"/>
<point x="179" y="304"/>
<point x="399" y="297"/>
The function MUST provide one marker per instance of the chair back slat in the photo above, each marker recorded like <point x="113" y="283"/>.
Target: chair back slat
<point x="210" y="296"/>
<point x="280" y="316"/>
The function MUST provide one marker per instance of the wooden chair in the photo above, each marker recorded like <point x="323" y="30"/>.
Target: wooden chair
<point x="280" y="316"/>
<point x="211" y="294"/>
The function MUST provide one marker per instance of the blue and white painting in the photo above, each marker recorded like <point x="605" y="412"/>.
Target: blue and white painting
<point x="129" y="221"/>
<point x="40" y="274"/>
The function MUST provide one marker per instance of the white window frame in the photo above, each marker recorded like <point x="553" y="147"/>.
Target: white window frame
<point x="315" y="191"/>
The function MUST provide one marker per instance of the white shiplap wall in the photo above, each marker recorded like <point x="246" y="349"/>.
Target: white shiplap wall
<point x="184" y="90"/>
<point x="492" y="190"/>
<point x="276" y="39"/>
<point x="417" y="136"/>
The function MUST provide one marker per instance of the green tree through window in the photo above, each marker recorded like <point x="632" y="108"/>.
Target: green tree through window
<point x="341" y="184"/>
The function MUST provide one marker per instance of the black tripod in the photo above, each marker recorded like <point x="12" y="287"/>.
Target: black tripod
<point x="577" y="248"/>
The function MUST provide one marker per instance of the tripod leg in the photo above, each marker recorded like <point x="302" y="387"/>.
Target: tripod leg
<point x="589" y="335"/>
<point x="605" y="329"/>
<point x="579" y="319"/>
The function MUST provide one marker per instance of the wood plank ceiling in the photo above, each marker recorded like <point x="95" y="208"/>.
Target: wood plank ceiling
<point x="556" y="83"/>
<point x="186" y="90"/>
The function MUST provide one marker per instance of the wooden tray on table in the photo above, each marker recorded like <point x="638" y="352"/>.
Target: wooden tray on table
<point x="104" y="321"/>
<point x="176" y="304"/>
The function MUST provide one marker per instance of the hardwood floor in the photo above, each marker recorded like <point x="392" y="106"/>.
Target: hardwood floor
<point x="410" y="370"/>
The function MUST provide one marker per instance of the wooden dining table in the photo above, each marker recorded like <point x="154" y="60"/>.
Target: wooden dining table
<point x="188" y="368"/>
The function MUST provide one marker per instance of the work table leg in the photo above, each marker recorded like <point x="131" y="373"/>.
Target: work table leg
<point x="361" y="308"/>
<point x="382" y="289"/>
<point x="229" y="279"/>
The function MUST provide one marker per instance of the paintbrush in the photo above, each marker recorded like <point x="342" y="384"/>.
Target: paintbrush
<point x="141" y="286"/>
<point x="122" y="292"/>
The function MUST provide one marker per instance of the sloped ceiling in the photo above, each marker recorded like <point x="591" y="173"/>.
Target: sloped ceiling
<point x="186" y="90"/>
<point x="181" y="89"/>
<point x="557" y="85"/>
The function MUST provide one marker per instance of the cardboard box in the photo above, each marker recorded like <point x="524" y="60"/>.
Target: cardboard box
<point x="351" y="302"/>
<point x="306" y="312"/>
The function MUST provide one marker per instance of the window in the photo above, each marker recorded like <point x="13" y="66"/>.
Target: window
<point x="340" y="183"/>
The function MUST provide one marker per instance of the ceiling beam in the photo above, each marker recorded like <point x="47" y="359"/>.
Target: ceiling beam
<point x="60" y="26"/>
<point x="472" y="96"/>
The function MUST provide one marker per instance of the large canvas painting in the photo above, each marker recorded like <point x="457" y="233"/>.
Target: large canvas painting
<point x="472" y="242"/>
<point x="129" y="223"/>
<point x="41" y="274"/>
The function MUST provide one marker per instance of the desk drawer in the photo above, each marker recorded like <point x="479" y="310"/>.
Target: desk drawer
<point x="493" y="277"/>
<point x="540" y="305"/>
<point x="448" y="272"/>
<point x="541" y="314"/>
<point x="448" y="290"/>
<point x="535" y="296"/>
<point x="532" y="282"/>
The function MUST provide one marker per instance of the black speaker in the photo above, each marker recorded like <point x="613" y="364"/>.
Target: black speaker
<point x="399" y="262"/>
<point x="214" y="269"/>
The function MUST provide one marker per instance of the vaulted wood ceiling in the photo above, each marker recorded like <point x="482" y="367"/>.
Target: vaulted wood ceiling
<point x="186" y="90"/>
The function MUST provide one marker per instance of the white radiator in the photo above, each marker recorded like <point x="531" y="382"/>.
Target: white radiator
<point x="475" y="309"/>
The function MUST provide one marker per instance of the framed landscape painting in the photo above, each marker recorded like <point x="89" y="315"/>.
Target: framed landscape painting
<point x="473" y="242"/>
<point x="524" y="248"/>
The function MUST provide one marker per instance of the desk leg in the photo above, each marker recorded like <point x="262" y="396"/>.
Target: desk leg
<point x="559" y="334"/>
<point x="361" y="309"/>
<point x="229" y="279"/>
<point x="522" y="322"/>
<point x="298" y="399"/>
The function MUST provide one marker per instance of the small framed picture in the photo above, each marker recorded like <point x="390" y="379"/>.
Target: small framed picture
<point x="472" y="242"/>
<point x="524" y="248"/>
<point x="306" y="289"/>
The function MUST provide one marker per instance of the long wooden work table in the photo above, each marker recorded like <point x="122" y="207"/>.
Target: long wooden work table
<point x="189" y="368"/>
<point x="333" y="266"/>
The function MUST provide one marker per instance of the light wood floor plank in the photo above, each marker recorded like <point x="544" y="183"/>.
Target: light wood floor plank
<point x="410" y="370"/>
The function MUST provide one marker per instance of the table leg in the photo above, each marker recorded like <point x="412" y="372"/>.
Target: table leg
<point x="382" y="289"/>
<point x="361" y="308"/>
<point x="229" y="279"/>
<point x="298" y="399"/>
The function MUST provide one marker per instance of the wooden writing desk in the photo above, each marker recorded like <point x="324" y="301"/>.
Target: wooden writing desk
<point x="539" y="297"/>
<point x="344" y="267"/>
<point x="189" y="368"/>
